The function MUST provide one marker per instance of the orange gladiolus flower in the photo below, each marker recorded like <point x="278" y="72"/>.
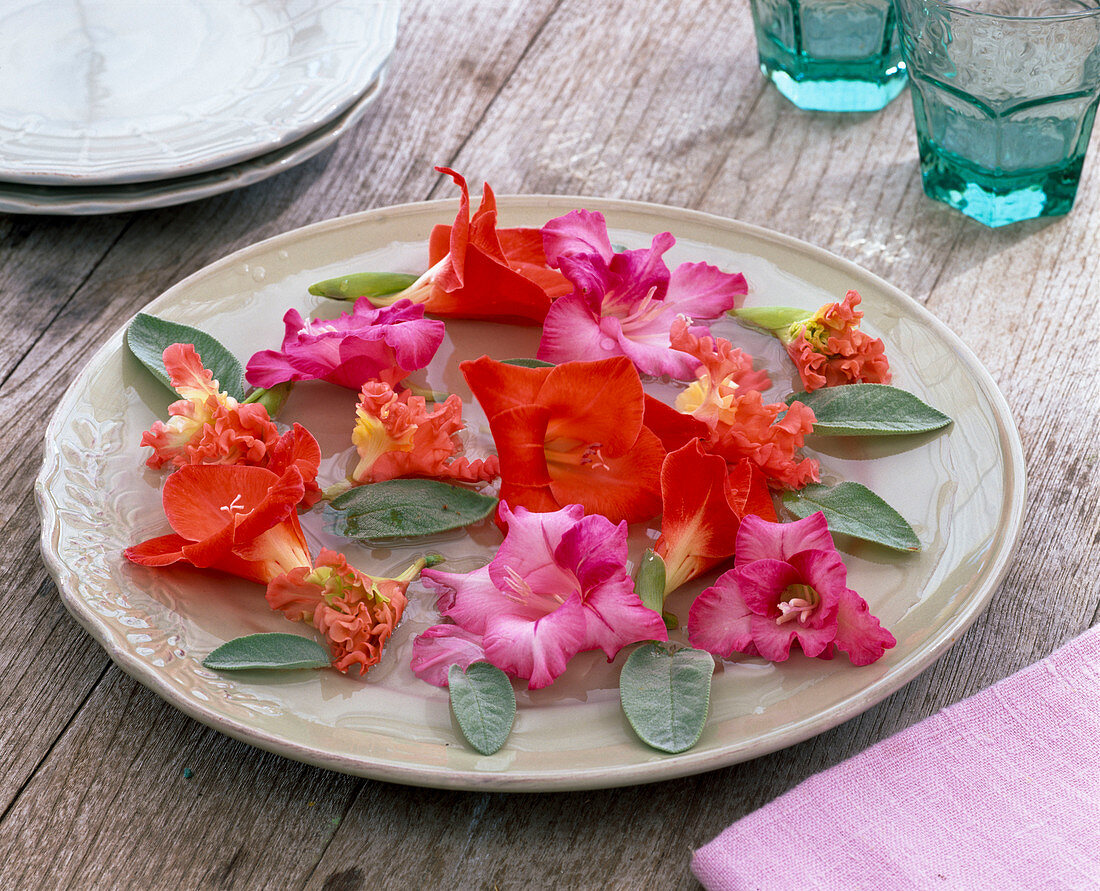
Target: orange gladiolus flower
<point x="704" y="503"/>
<point x="355" y="612"/>
<point x="480" y="272"/>
<point x="397" y="436"/>
<point x="572" y="434"/>
<point x="726" y="397"/>
<point x="241" y="520"/>
<point x="206" y="426"/>
<point x="829" y="349"/>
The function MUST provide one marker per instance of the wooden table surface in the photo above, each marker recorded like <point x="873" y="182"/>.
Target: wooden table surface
<point x="664" y="104"/>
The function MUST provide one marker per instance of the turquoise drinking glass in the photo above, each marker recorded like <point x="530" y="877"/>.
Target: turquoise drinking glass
<point x="1004" y="95"/>
<point x="830" y="55"/>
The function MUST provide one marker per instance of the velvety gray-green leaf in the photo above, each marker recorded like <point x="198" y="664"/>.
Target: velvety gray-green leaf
<point x="405" y="509"/>
<point x="666" y="696"/>
<point x="528" y="363"/>
<point x="773" y="319"/>
<point x="869" y="410"/>
<point x="148" y="337"/>
<point x="484" y="704"/>
<point x="649" y="581"/>
<point x="363" y="284"/>
<point x="271" y="651"/>
<point x="855" y="510"/>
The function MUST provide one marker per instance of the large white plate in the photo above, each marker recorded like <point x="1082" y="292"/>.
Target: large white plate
<point x="85" y="200"/>
<point x="963" y="491"/>
<point x="119" y="91"/>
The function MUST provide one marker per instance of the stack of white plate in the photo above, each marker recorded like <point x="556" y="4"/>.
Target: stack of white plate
<point x="116" y="105"/>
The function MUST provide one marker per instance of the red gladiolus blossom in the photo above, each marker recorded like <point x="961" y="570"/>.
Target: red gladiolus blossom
<point x="572" y="434"/>
<point x="704" y="503"/>
<point x="241" y="520"/>
<point x="480" y="272"/>
<point x="355" y="612"/>
<point x="829" y="349"/>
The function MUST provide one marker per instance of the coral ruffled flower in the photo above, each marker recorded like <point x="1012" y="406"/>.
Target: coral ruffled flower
<point x="206" y="426"/>
<point x="788" y="585"/>
<point x="726" y="397"/>
<point x="355" y="612"/>
<point x="704" y="503"/>
<point x="367" y="344"/>
<point x="557" y="586"/>
<point x="397" y="436"/>
<point x="481" y="272"/>
<point x="241" y="520"/>
<point x="829" y="349"/>
<point x="623" y="304"/>
<point x="572" y="434"/>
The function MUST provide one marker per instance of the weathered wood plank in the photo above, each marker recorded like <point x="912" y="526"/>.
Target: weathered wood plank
<point x="569" y="98"/>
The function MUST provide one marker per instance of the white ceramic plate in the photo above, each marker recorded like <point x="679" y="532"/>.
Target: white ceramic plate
<point x="121" y="91"/>
<point x="85" y="200"/>
<point x="962" y="490"/>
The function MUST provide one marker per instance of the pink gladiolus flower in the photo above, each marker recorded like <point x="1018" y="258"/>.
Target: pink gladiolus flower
<point x="369" y="344"/>
<point x="397" y="436"/>
<point x="206" y="426"/>
<point x="829" y="349"/>
<point x="726" y="397"/>
<point x="355" y="612"/>
<point x="788" y="584"/>
<point x="623" y="304"/>
<point x="557" y="585"/>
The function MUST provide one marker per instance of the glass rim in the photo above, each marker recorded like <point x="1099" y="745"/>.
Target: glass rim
<point x="1057" y="17"/>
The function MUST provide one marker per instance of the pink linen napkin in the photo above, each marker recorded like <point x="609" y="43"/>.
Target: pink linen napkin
<point x="1001" y="790"/>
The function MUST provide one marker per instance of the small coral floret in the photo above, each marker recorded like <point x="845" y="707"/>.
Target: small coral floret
<point x="829" y="349"/>
<point x="355" y="612"/>
<point x="395" y="436"/>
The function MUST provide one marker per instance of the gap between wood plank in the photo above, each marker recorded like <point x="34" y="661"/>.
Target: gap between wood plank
<point x="440" y="180"/>
<point x="76" y="290"/>
<point x="49" y="750"/>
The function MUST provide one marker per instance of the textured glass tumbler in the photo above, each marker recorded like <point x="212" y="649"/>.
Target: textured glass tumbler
<point x="1004" y="95"/>
<point x="830" y="55"/>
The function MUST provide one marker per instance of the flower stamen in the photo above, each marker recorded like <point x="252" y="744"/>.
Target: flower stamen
<point x="800" y="602"/>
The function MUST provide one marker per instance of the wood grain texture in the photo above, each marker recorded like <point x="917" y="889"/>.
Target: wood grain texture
<point x="564" y="97"/>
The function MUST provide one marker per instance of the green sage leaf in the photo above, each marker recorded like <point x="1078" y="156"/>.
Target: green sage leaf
<point x="484" y="704"/>
<point x="869" y="410"/>
<point x="148" y="337"/>
<point x="362" y="284"/>
<point x="528" y="363"/>
<point x="666" y="695"/>
<point x="271" y="651"/>
<point x="649" y="581"/>
<point x="775" y="320"/>
<point x="855" y="510"/>
<point x="405" y="509"/>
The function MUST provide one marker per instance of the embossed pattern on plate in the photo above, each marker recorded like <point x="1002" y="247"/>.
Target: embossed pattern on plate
<point x="963" y="491"/>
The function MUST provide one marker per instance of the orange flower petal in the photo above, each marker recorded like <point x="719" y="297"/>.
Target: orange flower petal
<point x="592" y="403"/>
<point x="499" y="387"/>
<point x="625" y="487"/>
<point x="520" y="434"/>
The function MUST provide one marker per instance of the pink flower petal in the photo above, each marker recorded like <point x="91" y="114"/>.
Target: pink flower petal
<point x="467" y="598"/>
<point x="702" y="291"/>
<point x="440" y="647"/>
<point x="539" y="650"/>
<point x="758" y="538"/>
<point x="571" y="332"/>
<point x="763" y="582"/>
<point x="578" y="232"/>
<point x="720" y="621"/>
<point x="859" y="633"/>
